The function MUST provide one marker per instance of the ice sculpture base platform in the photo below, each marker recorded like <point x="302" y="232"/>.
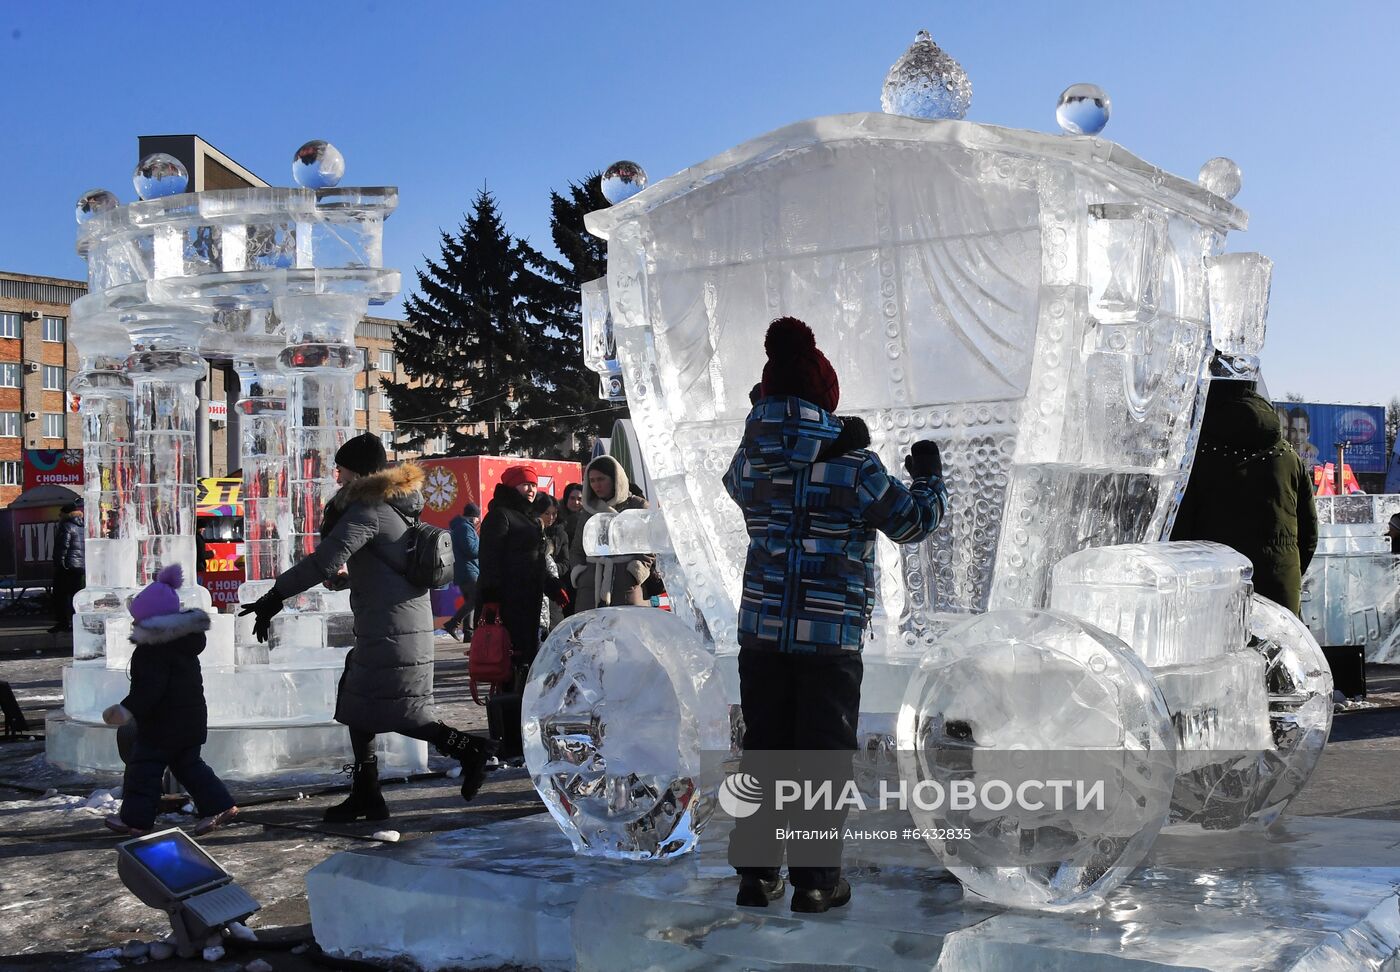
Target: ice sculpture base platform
<point x="251" y="753"/>
<point x="513" y="893"/>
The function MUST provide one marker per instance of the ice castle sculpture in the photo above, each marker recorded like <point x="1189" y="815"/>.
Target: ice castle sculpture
<point x="275" y="281"/>
<point x="1046" y="307"/>
<point x="1351" y="591"/>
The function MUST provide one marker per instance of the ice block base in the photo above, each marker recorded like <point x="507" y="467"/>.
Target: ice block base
<point x="257" y="695"/>
<point x="254" y="753"/>
<point x="513" y="893"/>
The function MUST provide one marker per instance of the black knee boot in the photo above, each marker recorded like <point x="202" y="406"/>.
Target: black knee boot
<point x="365" y="800"/>
<point x="471" y="751"/>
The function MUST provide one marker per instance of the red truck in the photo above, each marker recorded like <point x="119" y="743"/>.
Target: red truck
<point x="454" y="482"/>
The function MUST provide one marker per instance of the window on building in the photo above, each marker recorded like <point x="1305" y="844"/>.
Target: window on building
<point x="53" y="329"/>
<point x="11" y="474"/>
<point x="364" y="358"/>
<point x="9" y="425"/>
<point x="386" y="403"/>
<point x="53" y="378"/>
<point x="386" y="362"/>
<point x="387" y="437"/>
<point x="9" y="325"/>
<point x="53" y="425"/>
<point x="362" y="399"/>
<point x="9" y="374"/>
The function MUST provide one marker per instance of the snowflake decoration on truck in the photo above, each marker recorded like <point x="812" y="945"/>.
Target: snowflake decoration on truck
<point x="440" y="488"/>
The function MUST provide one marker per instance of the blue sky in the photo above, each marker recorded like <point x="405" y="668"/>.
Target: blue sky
<point x="443" y="98"/>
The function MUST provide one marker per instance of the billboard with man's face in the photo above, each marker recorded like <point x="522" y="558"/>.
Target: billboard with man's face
<point x="1315" y="429"/>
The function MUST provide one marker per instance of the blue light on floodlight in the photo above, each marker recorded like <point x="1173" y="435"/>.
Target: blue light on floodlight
<point x="179" y="864"/>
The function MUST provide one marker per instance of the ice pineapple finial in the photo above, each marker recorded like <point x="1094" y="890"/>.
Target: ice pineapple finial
<point x="1083" y="109"/>
<point x="318" y="165"/>
<point x="623" y="180"/>
<point x="926" y="83"/>
<point x="159" y="175"/>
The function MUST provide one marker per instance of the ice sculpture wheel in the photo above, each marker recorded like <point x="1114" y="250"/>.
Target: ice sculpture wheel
<point x="621" y="706"/>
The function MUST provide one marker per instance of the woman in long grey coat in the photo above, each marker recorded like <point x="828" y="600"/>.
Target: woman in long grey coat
<point x="388" y="680"/>
<point x="606" y="490"/>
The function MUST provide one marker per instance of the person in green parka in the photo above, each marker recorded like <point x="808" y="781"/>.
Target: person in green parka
<point x="1250" y="491"/>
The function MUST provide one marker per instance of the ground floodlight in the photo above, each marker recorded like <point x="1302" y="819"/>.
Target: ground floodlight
<point x="169" y="871"/>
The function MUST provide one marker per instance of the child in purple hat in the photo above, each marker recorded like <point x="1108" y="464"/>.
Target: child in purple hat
<point x="167" y="702"/>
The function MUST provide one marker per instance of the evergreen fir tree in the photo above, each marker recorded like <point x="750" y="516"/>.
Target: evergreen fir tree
<point x="585" y="258"/>
<point x="482" y="340"/>
<point x="585" y="254"/>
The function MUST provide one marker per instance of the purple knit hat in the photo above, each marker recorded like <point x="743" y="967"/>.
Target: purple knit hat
<point x="159" y="597"/>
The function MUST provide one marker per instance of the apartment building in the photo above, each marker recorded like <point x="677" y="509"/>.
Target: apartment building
<point x="37" y="362"/>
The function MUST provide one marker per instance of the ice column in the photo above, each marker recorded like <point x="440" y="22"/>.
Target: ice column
<point x="164" y="367"/>
<point x="105" y="405"/>
<point x="320" y="362"/>
<point x="267" y="512"/>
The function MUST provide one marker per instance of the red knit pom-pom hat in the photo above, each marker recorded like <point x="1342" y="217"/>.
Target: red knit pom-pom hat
<point x="519" y="476"/>
<point x="796" y="367"/>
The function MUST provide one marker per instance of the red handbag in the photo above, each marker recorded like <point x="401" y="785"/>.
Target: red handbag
<point x="488" y="655"/>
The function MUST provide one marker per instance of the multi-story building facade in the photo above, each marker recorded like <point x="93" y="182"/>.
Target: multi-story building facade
<point x="36" y="362"/>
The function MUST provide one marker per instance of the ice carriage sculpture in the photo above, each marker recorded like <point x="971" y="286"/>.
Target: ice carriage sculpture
<point x="273" y="281"/>
<point x="1043" y="307"/>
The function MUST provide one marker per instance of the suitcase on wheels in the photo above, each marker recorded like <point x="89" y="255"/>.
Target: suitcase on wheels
<point x="503" y="722"/>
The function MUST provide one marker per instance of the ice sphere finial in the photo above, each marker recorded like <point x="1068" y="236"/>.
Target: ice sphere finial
<point x="318" y="165"/>
<point x="623" y="180"/>
<point x="926" y="83"/>
<point x="92" y="202"/>
<point x="159" y="175"/>
<point x="1222" y="177"/>
<point x="1083" y="109"/>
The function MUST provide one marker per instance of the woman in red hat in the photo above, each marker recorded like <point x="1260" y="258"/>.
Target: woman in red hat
<point x="513" y="569"/>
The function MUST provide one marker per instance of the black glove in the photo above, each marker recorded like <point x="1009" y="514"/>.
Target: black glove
<point x="924" y="461"/>
<point x="266" y="608"/>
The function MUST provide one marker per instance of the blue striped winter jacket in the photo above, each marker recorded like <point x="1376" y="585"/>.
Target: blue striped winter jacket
<point x="813" y="496"/>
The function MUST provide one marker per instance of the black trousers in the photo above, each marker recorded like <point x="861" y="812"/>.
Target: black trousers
<point x="67" y="581"/>
<point x="141" y="786"/>
<point x="465" y="618"/>
<point x="362" y="741"/>
<point x="800" y="715"/>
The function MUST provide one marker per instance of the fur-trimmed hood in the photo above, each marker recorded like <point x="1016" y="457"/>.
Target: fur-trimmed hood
<point x="164" y="628"/>
<point x="608" y="466"/>
<point x="400" y="486"/>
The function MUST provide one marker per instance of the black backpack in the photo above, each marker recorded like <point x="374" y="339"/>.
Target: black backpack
<point x="429" y="560"/>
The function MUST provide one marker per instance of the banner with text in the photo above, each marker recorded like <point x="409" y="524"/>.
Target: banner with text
<point x="53" y="467"/>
